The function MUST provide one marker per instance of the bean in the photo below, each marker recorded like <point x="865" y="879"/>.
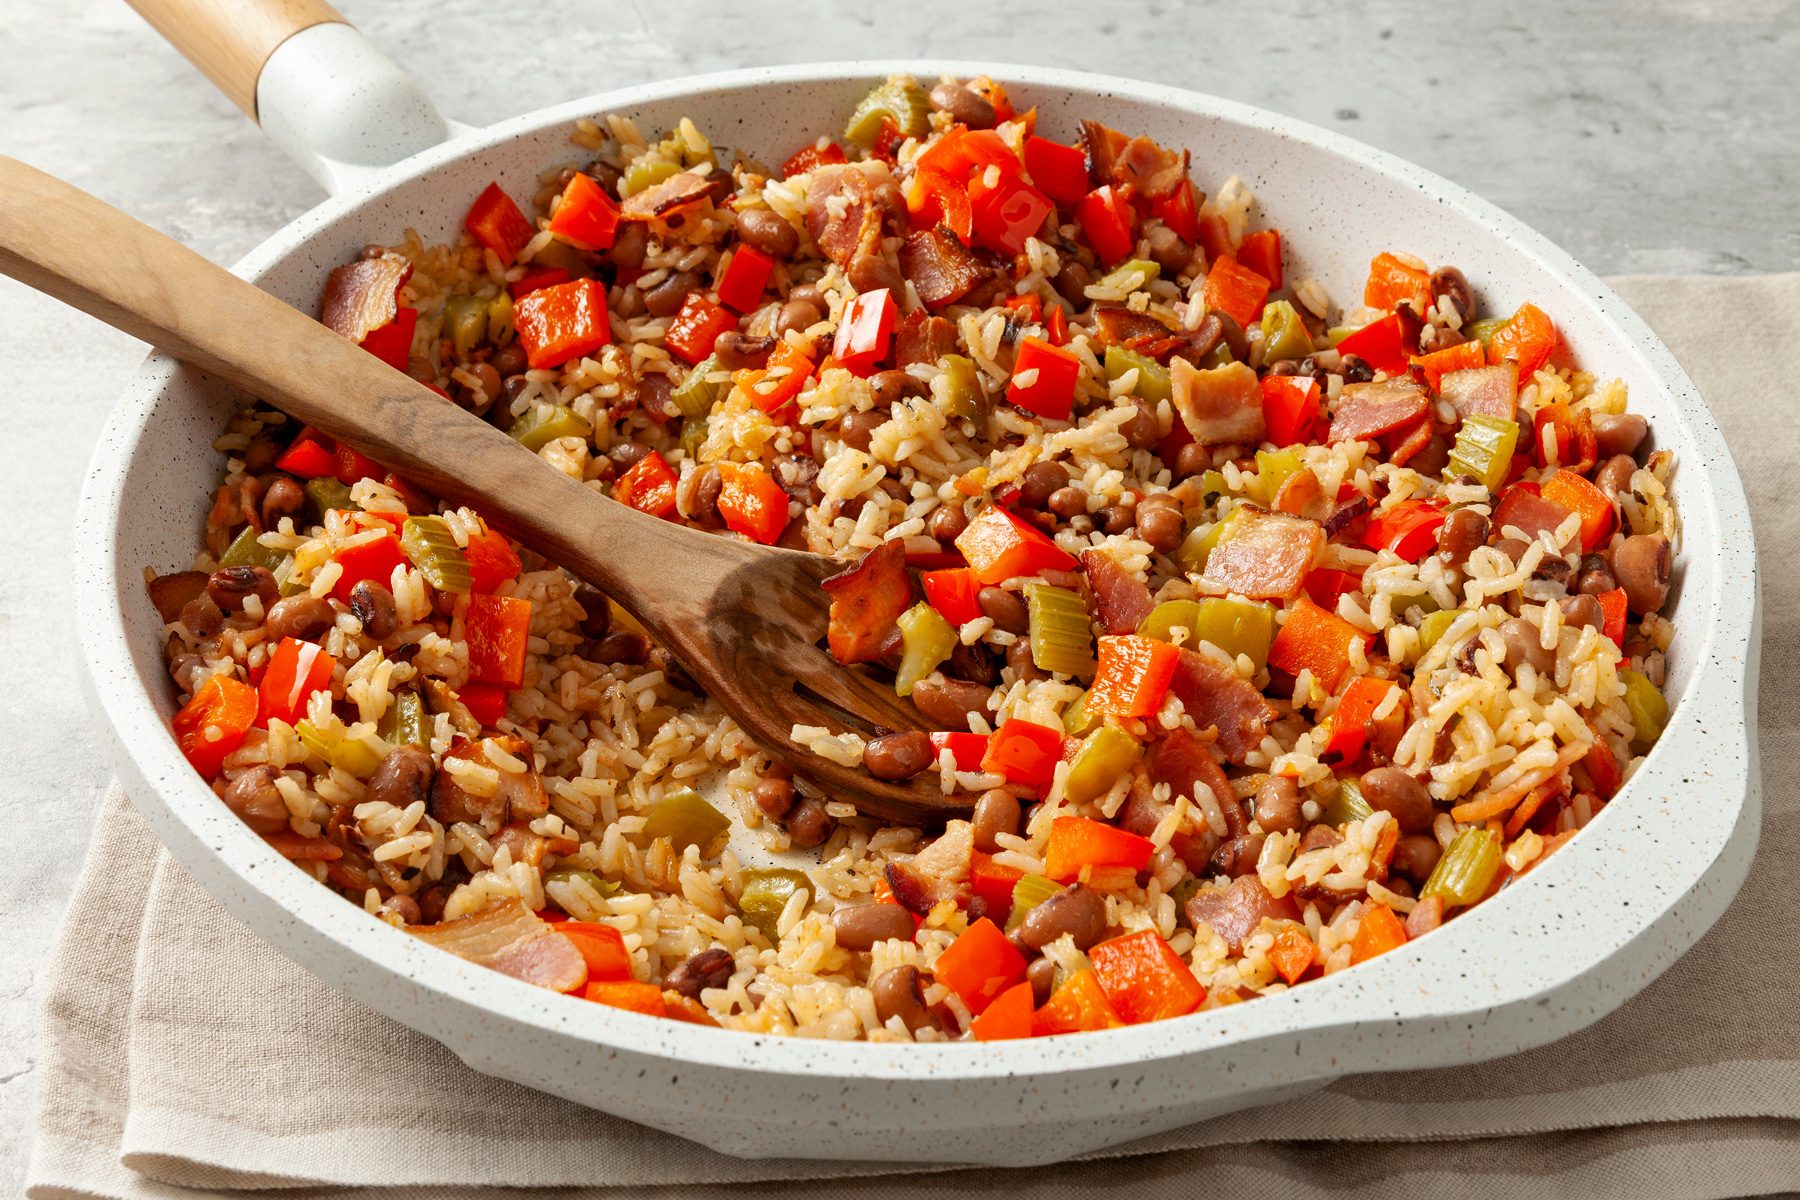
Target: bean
<point x="184" y="669"/>
<point x="1078" y="911"/>
<point x="630" y="245"/>
<point x="741" y="352"/>
<point x="1233" y="335"/>
<point x="229" y="587"/>
<point x="963" y="105"/>
<point x="710" y="968"/>
<point x="1005" y="609"/>
<point x="871" y="272"/>
<point x="1523" y="646"/>
<point x="1278" y="805"/>
<point x="797" y="315"/>
<point x="1237" y="856"/>
<point x="1068" y="502"/>
<point x="255" y="799"/>
<point x="1463" y="531"/>
<point x="1619" y="433"/>
<point x="857" y="428"/>
<point x="899" y="993"/>
<point x="596" y="610"/>
<point x="667" y="297"/>
<point x="1163" y="527"/>
<point x="1018" y="657"/>
<point x="1071" y="283"/>
<point x="1450" y="282"/>
<point x="300" y="617"/>
<point x="202" y="616"/>
<point x="1643" y="563"/>
<point x="1040" y="481"/>
<point x="974" y="663"/>
<point x="808" y="824"/>
<point x="1614" y="475"/>
<point x="1391" y="790"/>
<point x="516" y="385"/>
<point x="1513" y="548"/>
<point x="768" y="231"/>
<point x="405" y="908"/>
<point x="655" y="394"/>
<point x="622" y="646"/>
<point x="402" y="777"/>
<point x="774" y="796"/>
<point x="1192" y="459"/>
<point x="1582" y="612"/>
<point x="1142" y="432"/>
<point x="997" y="812"/>
<point x="1041" y="975"/>
<point x="1415" y="855"/>
<point x="946" y="523"/>
<point x="1596" y="578"/>
<point x="487" y="382"/>
<point x="896" y="756"/>
<point x="509" y="359"/>
<point x="697" y="496"/>
<point x="1169" y="250"/>
<point x="891" y="387"/>
<point x="1114" y="518"/>
<point x="283" y="499"/>
<point x="373" y="605"/>
<point x="1356" y="370"/>
<point x="627" y="454"/>
<point x="859" y="926"/>
<point x="1318" y="837"/>
<point x="947" y="703"/>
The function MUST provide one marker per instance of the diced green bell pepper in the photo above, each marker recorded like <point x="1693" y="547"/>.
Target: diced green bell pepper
<point x="1348" y="805"/>
<point x="926" y="640"/>
<point x="962" y="388"/>
<point x="640" y="175"/>
<point x="541" y="426"/>
<point x="1136" y="273"/>
<point x="353" y="755"/>
<point x="324" y="494"/>
<point x="1649" y="710"/>
<point x="1435" y="626"/>
<point x="1152" y="378"/>
<point x="405" y="722"/>
<point x="466" y="321"/>
<point x="1105" y="756"/>
<point x="246" y="551"/>
<point x="765" y="893"/>
<point x="1484" y="448"/>
<point x="686" y="819"/>
<point x="1284" y="333"/>
<point x="604" y="887"/>
<point x="1234" y="626"/>
<point x="1273" y="468"/>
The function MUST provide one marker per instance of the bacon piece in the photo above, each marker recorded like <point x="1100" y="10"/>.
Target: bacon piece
<point x="1148" y="169"/>
<point x="940" y="267"/>
<point x="1121" y="598"/>
<point x="923" y="339"/>
<point x="511" y="939"/>
<point x="937" y="873"/>
<point x="1529" y="512"/>
<point x="1414" y="442"/>
<point x="1184" y="760"/>
<point x="1217" y="697"/>
<point x="1236" y="912"/>
<point x="866" y="601"/>
<point x="1303" y="496"/>
<point x="1367" y="410"/>
<point x="1120" y="326"/>
<point x="676" y="194"/>
<point x="1483" y="391"/>
<point x="1221" y="406"/>
<point x="1265" y="555"/>
<point x="520" y="796"/>
<point x="360" y="297"/>
<point x="1426" y="917"/>
<point x="847" y="206"/>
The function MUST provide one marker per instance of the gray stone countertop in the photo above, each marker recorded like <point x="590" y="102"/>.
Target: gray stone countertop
<point x="1643" y="137"/>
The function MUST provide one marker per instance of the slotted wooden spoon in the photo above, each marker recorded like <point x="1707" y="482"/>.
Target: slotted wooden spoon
<point x="745" y="620"/>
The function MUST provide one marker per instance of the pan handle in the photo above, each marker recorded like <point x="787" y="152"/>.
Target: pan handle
<point x="334" y="102"/>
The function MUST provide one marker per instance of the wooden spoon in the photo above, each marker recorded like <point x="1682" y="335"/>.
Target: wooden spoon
<point x="745" y="620"/>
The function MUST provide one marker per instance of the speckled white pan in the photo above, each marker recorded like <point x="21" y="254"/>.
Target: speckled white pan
<point x="1571" y="942"/>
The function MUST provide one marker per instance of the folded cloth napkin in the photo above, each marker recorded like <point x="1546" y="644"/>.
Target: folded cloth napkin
<point x="179" y="1052"/>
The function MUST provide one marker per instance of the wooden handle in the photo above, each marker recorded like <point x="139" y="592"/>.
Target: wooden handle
<point x="64" y="242"/>
<point x="230" y="40"/>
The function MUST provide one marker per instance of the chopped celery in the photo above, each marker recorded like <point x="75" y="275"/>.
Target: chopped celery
<point x="1029" y="892"/>
<point x="926" y="640"/>
<point x="1076" y="719"/>
<point x="962" y="393"/>
<point x="1435" y="626"/>
<point x="353" y="755"/>
<point x="1348" y="805"/>
<point x="693" y="436"/>
<point x="1467" y="869"/>
<point x="431" y="547"/>
<point x="246" y="551"/>
<point x="695" y="396"/>
<point x="900" y="100"/>
<point x="499" y="318"/>
<point x="1273" y="468"/>
<point x="765" y="893"/>
<point x="1649" y="710"/>
<point x="1284" y="333"/>
<point x="1061" y="637"/>
<point x="541" y="426"/>
<point x="1338" y="333"/>
<point x="405" y="721"/>
<point x="1193" y="552"/>
<point x="1105" y="756"/>
<point x="1234" y="626"/>
<point x="1218" y="356"/>
<point x="324" y="494"/>
<point x="1168" y="616"/>
<point x="1484" y="449"/>
<point x="602" y="887"/>
<point x="466" y="321"/>
<point x="1152" y="377"/>
<point x="686" y="819"/>
<point x="1484" y="329"/>
<point x="640" y="175"/>
<point x="1137" y="274"/>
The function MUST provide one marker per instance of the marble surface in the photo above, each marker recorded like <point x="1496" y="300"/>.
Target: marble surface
<point x="1604" y="126"/>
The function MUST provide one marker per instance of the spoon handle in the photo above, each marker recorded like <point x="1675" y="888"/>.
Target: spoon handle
<point x="62" y="241"/>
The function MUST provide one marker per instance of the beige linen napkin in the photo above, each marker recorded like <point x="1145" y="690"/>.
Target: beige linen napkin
<point x="179" y="1052"/>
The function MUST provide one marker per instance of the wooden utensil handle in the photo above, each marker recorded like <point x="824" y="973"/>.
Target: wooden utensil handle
<point x="63" y="241"/>
<point x="230" y="40"/>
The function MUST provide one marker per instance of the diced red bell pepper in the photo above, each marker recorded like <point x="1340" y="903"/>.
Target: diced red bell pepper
<point x="492" y="561"/>
<point x="1378" y="932"/>
<point x="373" y="560"/>
<point x="562" y="322"/>
<point x="602" y="947"/>
<point x="1409" y="529"/>
<point x="1350" y="723"/>
<point x="1613" y="609"/>
<point x="536" y="280"/>
<point x="1392" y="281"/>
<point x="1029" y="306"/>
<point x="1007" y="213"/>
<point x="1326" y="584"/>
<point x="353" y="465"/>
<point x="496" y="629"/>
<point x="936" y="197"/>
<point x="1293" y="953"/>
<point x="213" y="723"/>
<point x="1059" y="171"/>
<point x="486" y="702"/>
<point x="1381" y="344"/>
<point x="773" y="387"/>
<point x="1078" y="1006"/>
<point x="954" y="592"/>
<point x="960" y="152"/>
<point x="311" y="456"/>
<point x="1077" y="843"/>
<point x="1261" y="252"/>
<point x="1603" y="768"/>
<point x="1132" y="677"/>
<point x="1106" y="218"/>
<point x="966" y="749"/>
<point x="811" y="158"/>
<point x="867" y="599"/>
<point x="746" y="275"/>
<point x="752" y="503"/>
<point x="690" y="336"/>
<point x="1144" y="978"/>
<point x="416" y="499"/>
<point x="496" y="223"/>
<point x="1008" y="1017"/>
<point x="1180" y="211"/>
<point x="1464" y="356"/>
<point x="1024" y="753"/>
<point x="1528" y="339"/>
<point x="865" y="332"/>
<point x="1571" y="432"/>
<point x="392" y="343"/>
<point x="1316" y="640"/>
<point x="1056" y="326"/>
<point x="1234" y="289"/>
<point x="586" y="216"/>
<point x="1050" y="392"/>
<point x="628" y="994"/>
<point x="294" y="672"/>
<point x="649" y="486"/>
<point x="992" y="883"/>
<point x="1290" y="408"/>
<point x="979" y="965"/>
<point x="1579" y="495"/>
<point x="1000" y="546"/>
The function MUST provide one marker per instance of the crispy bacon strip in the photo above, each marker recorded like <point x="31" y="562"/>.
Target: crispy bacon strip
<point x="1221" y="406"/>
<point x="847" y="206"/>
<point x="1266" y="555"/>
<point x="1121" y="598"/>
<point x="1235" y="912"/>
<point x="660" y="201"/>
<point x="1483" y="391"/>
<point x="360" y="296"/>
<point x="866" y="601"/>
<point x="1368" y="410"/>
<point x="1148" y="169"/>
<point x="940" y="267"/>
<point x="1216" y="697"/>
<point x="923" y="339"/>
